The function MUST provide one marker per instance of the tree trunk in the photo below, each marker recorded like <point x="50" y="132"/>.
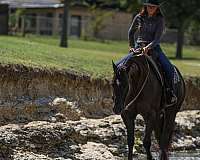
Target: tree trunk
<point x="64" y="33"/>
<point x="23" y="29"/>
<point x="180" y="42"/>
<point x="4" y="16"/>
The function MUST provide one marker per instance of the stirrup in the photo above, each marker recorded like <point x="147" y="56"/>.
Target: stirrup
<point x="173" y="99"/>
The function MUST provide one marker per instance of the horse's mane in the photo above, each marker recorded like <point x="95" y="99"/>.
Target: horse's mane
<point x="136" y="60"/>
<point x="137" y="69"/>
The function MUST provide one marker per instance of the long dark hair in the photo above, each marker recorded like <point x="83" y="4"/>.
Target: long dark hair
<point x="144" y="12"/>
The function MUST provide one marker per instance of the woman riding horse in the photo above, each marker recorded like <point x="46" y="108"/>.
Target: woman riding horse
<point x="137" y="89"/>
<point x="146" y="31"/>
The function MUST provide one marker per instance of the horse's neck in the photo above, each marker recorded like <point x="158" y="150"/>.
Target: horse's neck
<point x="138" y="75"/>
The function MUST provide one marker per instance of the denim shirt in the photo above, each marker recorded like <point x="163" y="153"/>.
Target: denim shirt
<point x="146" y="29"/>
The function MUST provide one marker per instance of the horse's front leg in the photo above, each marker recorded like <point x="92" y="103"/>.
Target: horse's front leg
<point x="129" y="121"/>
<point x="147" y="137"/>
<point x="168" y="128"/>
<point x="164" y="154"/>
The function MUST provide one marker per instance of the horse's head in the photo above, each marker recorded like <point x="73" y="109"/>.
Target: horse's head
<point x="125" y="81"/>
<point x="120" y="88"/>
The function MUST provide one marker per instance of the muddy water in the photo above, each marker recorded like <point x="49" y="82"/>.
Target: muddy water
<point x="185" y="156"/>
<point x="176" y="156"/>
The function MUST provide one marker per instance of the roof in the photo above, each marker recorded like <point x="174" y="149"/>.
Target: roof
<point x="32" y="3"/>
<point x="51" y="3"/>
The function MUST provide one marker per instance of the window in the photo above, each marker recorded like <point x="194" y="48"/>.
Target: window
<point x="46" y="24"/>
<point x="75" y="29"/>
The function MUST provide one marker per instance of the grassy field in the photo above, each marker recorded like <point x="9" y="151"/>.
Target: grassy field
<point x="92" y="58"/>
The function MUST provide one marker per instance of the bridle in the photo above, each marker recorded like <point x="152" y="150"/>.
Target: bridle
<point x="143" y="85"/>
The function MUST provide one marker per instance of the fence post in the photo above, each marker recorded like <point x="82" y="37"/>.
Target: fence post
<point x="23" y="29"/>
<point x="37" y="24"/>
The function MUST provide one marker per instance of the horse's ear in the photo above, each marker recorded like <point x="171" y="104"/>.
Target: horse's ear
<point x="114" y="67"/>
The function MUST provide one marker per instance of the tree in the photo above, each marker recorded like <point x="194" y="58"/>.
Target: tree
<point x="131" y="6"/>
<point x="14" y="21"/>
<point x="64" y="33"/>
<point x="193" y="33"/>
<point x="180" y="14"/>
<point x="98" y="18"/>
<point x="194" y="30"/>
<point x="125" y="5"/>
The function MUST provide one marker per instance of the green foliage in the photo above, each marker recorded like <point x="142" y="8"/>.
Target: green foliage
<point x="98" y="19"/>
<point x="194" y="33"/>
<point x="14" y="17"/>
<point x="194" y="30"/>
<point x="20" y="12"/>
<point x="125" y="5"/>
<point x="132" y="6"/>
<point x="180" y="12"/>
<point x="12" y="20"/>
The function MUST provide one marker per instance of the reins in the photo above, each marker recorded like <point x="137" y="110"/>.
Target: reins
<point x="143" y="85"/>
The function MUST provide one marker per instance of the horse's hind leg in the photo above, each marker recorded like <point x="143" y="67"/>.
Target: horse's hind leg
<point x="147" y="137"/>
<point x="166" y="137"/>
<point x="129" y="121"/>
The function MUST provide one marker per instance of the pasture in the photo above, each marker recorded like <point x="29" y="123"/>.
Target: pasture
<point x="86" y="57"/>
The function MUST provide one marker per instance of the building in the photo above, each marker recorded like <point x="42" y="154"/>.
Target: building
<point x="44" y="17"/>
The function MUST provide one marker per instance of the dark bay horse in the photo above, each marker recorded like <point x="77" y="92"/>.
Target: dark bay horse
<point x="137" y="90"/>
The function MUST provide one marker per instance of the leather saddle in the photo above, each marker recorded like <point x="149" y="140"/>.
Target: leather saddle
<point x="160" y="74"/>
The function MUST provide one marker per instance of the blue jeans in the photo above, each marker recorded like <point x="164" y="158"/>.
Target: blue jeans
<point x="126" y="58"/>
<point x="164" y="61"/>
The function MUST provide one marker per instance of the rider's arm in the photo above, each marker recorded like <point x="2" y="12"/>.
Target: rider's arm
<point x="132" y="30"/>
<point x="158" y="34"/>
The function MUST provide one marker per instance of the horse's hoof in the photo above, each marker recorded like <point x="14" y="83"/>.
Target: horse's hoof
<point x="151" y="158"/>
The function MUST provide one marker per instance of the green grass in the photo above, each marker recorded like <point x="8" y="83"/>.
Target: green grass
<point x="88" y="57"/>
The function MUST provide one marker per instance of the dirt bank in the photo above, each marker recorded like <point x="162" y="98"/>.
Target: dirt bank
<point x="43" y="115"/>
<point x="33" y="90"/>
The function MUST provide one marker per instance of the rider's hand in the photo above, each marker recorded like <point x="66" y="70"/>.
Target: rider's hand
<point x="131" y="50"/>
<point x="145" y="50"/>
